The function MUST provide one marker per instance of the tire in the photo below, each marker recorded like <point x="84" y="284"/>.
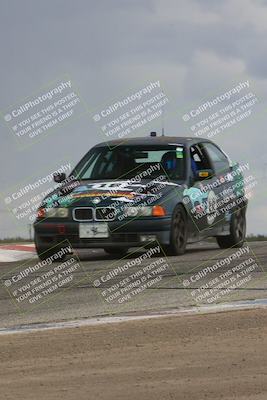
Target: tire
<point x="237" y="231"/>
<point x="179" y="232"/>
<point x="116" y="252"/>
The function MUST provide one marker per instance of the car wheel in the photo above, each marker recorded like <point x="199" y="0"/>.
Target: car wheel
<point x="116" y="252"/>
<point x="179" y="231"/>
<point x="237" y="231"/>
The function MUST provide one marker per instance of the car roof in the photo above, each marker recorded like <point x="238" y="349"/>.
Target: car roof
<point x="154" y="140"/>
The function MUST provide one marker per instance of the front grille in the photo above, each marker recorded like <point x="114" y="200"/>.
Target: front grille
<point x="105" y="214"/>
<point x="83" y="214"/>
<point x="94" y="214"/>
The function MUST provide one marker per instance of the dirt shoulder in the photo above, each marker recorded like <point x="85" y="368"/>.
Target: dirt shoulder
<point x="214" y="356"/>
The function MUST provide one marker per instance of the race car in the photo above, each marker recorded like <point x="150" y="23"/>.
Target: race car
<point x="173" y="190"/>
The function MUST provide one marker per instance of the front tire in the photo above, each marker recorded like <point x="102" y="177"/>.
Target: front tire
<point x="237" y="231"/>
<point x="179" y="232"/>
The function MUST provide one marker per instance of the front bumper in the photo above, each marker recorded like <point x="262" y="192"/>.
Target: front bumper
<point x="50" y="233"/>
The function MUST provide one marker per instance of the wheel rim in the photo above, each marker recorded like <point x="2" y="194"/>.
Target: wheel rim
<point x="239" y="225"/>
<point x="179" y="230"/>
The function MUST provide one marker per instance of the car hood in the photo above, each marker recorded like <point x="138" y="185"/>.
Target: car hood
<point x="108" y="192"/>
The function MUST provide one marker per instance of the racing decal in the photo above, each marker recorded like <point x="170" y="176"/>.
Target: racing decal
<point x="103" y="194"/>
<point x="211" y="207"/>
<point x="123" y="199"/>
<point x="121" y="186"/>
<point x="227" y="216"/>
<point x="56" y="200"/>
<point x="179" y="152"/>
<point x="109" y="186"/>
<point x="166" y="183"/>
<point x="202" y="203"/>
<point x="196" y="196"/>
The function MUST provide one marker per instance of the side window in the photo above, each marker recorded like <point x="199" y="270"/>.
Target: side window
<point x="218" y="158"/>
<point x="198" y="159"/>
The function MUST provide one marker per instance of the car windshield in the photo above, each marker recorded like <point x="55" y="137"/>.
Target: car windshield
<point x="125" y="162"/>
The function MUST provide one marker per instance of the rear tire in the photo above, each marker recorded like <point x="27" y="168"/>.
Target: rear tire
<point x="179" y="232"/>
<point x="237" y="231"/>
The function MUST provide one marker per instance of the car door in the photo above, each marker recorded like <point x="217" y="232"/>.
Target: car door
<point x="203" y="193"/>
<point x="222" y="170"/>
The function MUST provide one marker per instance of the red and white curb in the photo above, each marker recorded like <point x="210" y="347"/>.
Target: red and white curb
<point x="16" y="252"/>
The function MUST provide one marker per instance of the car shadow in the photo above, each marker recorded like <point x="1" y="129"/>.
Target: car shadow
<point x="100" y="255"/>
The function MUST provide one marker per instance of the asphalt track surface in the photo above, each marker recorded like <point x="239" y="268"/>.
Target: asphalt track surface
<point x="177" y="286"/>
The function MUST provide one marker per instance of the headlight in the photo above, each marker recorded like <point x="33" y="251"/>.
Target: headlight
<point x="53" y="212"/>
<point x="138" y="211"/>
<point x="144" y="211"/>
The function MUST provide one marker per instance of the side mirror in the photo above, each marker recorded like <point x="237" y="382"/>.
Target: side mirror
<point x="59" y="177"/>
<point x="204" y="174"/>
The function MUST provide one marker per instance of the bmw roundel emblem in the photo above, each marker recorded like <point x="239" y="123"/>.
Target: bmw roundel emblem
<point x="96" y="200"/>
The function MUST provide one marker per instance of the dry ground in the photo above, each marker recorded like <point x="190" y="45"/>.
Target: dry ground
<point x="213" y="356"/>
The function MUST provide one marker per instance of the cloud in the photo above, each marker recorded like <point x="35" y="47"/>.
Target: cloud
<point x="195" y="48"/>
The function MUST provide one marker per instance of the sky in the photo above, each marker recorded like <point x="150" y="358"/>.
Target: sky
<point x="109" y="49"/>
